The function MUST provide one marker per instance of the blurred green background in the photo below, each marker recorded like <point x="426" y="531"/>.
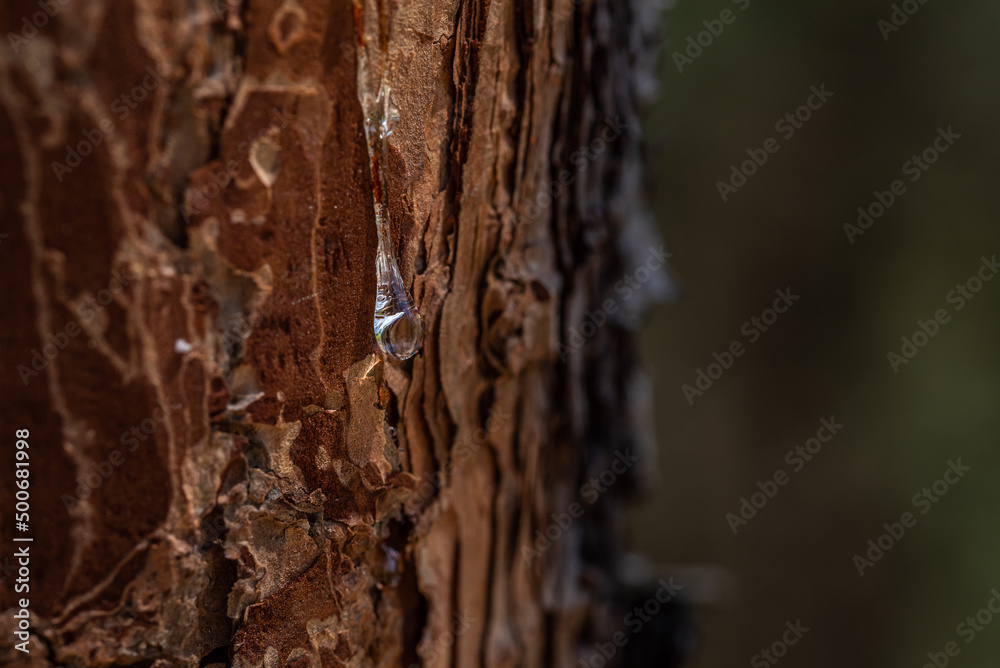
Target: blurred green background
<point x="827" y="356"/>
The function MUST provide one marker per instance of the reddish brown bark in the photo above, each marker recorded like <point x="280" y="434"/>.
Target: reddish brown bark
<point x="284" y="496"/>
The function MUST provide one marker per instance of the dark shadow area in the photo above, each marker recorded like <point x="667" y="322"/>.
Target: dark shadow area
<point x="842" y="365"/>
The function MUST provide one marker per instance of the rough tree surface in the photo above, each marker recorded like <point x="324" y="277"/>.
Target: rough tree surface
<point x="224" y="472"/>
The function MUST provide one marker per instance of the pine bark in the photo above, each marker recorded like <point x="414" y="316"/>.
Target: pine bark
<point x="224" y="470"/>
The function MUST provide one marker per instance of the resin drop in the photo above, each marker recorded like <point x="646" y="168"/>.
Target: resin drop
<point x="399" y="330"/>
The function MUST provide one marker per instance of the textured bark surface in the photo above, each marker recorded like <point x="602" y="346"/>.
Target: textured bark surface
<point x="276" y="494"/>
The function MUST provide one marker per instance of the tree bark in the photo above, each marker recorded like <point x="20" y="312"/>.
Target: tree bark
<point x="224" y="471"/>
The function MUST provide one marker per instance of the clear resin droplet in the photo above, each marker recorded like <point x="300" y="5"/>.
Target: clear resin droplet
<point x="399" y="329"/>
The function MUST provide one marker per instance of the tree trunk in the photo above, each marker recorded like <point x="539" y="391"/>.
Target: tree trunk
<point x="223" y="469"/>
